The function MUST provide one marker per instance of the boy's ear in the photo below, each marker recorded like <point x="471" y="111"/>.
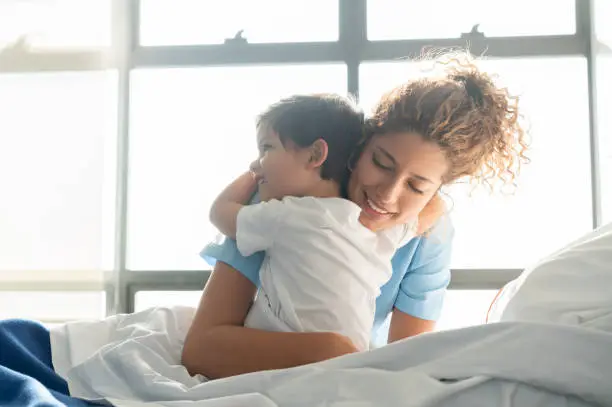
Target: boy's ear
<point x="318" y="153"/>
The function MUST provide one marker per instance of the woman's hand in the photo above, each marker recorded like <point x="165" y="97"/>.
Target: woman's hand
<point x="218" y="345"/>
<point x="430" y="214"/>
<point x="225" y="302"/>
<point x="338" y="345"/>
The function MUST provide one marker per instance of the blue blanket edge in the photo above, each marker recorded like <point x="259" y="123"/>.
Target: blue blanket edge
<point x="27" y="377"/>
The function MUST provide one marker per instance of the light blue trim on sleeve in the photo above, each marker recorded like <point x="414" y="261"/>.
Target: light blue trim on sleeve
<point x="227" y="252"/>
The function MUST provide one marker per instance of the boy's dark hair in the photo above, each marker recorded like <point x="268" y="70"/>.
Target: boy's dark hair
<point x="304" y="119"/>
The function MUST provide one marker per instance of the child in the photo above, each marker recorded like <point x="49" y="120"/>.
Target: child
<point x="323" y="269"/>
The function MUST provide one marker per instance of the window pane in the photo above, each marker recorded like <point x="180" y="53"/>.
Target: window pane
<point x="604" y="123"/>
<point x="57" y="149"/>
<point x="603" y="65"/>
<point x="552" y="204"/>
<point x="603" y="28"/>
<point x="52" y="307"/>
<point x="190" y="140"/>
<point x="190" y="22"/>
<point x="57" y="23"/>
<point x="150" y="299"/>
<point x="463" y="308"/>
<point x="391" y="19"/>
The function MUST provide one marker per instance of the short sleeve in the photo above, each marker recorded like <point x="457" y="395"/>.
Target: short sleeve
<point x="423" y="287"/>
<point x="257" y="226"/>
<point x="226" y="251"/>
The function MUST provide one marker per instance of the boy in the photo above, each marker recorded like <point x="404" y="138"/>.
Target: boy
<point x="323" y="269"/>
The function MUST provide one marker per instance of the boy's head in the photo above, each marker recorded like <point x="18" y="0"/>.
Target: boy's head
<point x="305" y="142"/>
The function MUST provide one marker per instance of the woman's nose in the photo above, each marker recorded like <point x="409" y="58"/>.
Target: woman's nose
<point x="390" y="192"/>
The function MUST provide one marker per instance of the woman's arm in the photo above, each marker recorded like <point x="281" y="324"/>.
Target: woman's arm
<point x="421" y="295"/>
<point x="404" y="326"/>
<point x="218" y="345"/>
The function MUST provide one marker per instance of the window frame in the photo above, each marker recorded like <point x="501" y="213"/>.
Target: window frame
<point x="352" y="48"/>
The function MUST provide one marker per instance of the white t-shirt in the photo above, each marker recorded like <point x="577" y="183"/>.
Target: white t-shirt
<point x="323" y="269"/>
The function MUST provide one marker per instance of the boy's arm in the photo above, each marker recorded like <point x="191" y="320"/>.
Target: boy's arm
<point x="224" y="210"/>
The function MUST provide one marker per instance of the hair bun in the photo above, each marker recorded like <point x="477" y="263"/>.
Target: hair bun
<point x="472" y="85"/>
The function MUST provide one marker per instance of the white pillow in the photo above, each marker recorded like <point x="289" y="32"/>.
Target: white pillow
<point x="572" y="286"/>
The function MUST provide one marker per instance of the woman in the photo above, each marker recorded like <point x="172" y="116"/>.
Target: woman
<point x="424" y="134"/>
<point x="426" y="130"/>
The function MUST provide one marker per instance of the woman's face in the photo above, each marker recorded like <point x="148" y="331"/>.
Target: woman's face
<point x="395" y="177"/>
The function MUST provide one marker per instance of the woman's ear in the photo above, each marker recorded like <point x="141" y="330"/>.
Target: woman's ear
<point x="318" y="153"/>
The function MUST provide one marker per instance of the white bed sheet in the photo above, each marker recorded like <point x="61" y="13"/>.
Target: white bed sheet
<point x="553" y="348"/>
<point x="134" y="358"/>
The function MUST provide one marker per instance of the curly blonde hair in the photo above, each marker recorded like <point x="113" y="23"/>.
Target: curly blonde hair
<point x="476" y="123"/>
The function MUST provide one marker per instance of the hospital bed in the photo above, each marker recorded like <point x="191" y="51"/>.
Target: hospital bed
<point x="547" y="344"/>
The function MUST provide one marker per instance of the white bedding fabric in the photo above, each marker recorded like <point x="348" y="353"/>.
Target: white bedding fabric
<point x="554" y="348"/>
<point x="136" y="358"/>
<point x="572" y="286"/>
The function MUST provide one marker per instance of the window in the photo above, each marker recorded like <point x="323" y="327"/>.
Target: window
<point x="552" y="204"/>
<point x="52" y="307"/>
<point x="57" y="138"/>
<point x="150" y="299"/>
<point x="191" y="129"/>
<point x="604" y="107"/>
<point x="392" y="20"/>
<point x="603" y="68"/>
<point x="191" y="22"/>
<point x="602" y="10"/>
<point x="462" y="308"/>
<point x="53" y="24"/>
<point x="191" y="139"/>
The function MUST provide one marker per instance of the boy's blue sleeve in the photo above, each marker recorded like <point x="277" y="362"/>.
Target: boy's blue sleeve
<point x="423" y="287"/>
<point x="227" y="252"/>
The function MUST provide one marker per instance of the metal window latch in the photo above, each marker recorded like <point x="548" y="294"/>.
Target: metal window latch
<point x="238" y="39"/>
<point x="473" y="34"/>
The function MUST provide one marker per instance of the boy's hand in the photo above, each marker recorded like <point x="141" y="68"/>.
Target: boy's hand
<point x="255" y="169"/>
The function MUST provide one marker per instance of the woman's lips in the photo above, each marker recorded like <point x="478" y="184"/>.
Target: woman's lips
<point x="373" y="210"/>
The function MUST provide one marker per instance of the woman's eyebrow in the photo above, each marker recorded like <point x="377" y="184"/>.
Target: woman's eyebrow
<point x="422" y="178"/>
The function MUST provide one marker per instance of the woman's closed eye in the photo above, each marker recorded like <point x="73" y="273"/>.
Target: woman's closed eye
<point x="390" y="167"/>
<point x="377" y="162"/>
<point x="415" y="189"/>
